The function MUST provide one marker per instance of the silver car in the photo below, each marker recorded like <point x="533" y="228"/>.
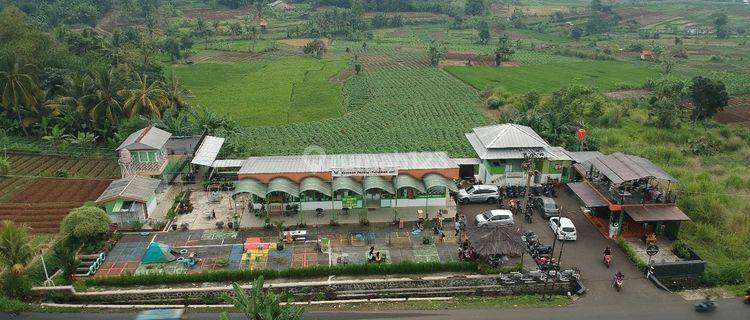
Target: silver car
<point x="497" y="217"/>
<point x="478" y="193"/>
<point x="547" y="207"/>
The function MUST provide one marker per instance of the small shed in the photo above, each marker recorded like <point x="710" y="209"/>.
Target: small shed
<point x="129" y="199"/>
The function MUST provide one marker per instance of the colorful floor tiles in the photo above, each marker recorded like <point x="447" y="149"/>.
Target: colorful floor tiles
<point x="116" y="268"/>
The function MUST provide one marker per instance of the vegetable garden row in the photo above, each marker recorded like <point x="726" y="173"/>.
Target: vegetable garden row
<point x="392" y="106"/>
<point x="49" y="190"/>
<point x="40" y="165"/>
<point x="42" y="217"/>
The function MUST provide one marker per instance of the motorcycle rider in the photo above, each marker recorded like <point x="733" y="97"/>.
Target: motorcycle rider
<point x="607" y="251"/>
<point x="618" y="277"/>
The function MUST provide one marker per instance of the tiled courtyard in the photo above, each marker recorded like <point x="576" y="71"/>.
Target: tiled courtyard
<point x="256" y="248"/>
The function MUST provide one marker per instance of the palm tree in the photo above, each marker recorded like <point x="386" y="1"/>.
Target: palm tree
<point x="176" y="94"/>
<point x="261" y="304"/>
<point x="20" y="92"/>
<point x="147" y="97"/>
<point x="104" y="99"/>
<point x="16" y="250"/>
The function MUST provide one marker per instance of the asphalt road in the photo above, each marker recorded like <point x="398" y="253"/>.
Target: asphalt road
<point x="680" y="310"/>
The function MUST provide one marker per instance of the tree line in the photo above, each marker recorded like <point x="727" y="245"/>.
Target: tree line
<point x="83" y="84"/>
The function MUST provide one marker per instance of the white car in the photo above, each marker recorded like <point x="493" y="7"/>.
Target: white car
<point x="495" y="218"/>
<point x="563" y="228"/>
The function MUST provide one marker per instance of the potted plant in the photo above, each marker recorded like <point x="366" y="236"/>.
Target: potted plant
<point x="426" y="240"/>
<point x="280" y="245"/>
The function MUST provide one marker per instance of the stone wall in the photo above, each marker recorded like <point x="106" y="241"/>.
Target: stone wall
<point x="513" y="284"/>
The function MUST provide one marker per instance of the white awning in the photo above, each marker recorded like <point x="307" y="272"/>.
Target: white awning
<point x="208" y="151"/>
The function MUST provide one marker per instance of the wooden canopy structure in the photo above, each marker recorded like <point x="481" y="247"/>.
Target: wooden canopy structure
<point x="496" y="240"/>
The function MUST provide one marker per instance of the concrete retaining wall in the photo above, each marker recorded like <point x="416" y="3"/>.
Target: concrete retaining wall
<point x="514" y="284"/>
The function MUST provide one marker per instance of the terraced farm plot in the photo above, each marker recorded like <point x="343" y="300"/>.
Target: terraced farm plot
<point x="606" y="75"/>
<point x="42" y="165"/>
<point x="41" y="217"/>
<point x="46" y="190"/>
<point x="28" y="197"/>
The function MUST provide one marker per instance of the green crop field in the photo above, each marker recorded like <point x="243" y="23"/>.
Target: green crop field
<point x="393" y="105"/>
<point x="605" y="75"/>
<point x="267" y="92"/>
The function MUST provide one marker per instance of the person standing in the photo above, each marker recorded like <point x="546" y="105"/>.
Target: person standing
<point x="458" y="227"/>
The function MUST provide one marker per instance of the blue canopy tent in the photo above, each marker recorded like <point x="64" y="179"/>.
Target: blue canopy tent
<point x="158" y="253"/>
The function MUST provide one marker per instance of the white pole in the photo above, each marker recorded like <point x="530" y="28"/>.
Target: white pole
<point x="46" y="274"/>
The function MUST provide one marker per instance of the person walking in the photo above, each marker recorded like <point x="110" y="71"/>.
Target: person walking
<point x="458" y="227"/>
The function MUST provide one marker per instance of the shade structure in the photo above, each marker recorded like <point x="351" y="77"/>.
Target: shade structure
<point x="375" y="182"/>
<point x="619" y="168"/>
<point x="315" y="184"/>
<point x="496" y="240"/>
<point x="590" y="197"/>
<point x="158" y="253"/>
<point x="432" y="180"/>
<point x="346" y="183"/>
<point x="405" y="180"/>
<point x="250" y="186"/>
<point x="656" y="213"/>
<point x="283" y="185"/>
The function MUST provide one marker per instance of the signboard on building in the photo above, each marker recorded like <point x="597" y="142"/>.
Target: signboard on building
<point x="364" y="172"/>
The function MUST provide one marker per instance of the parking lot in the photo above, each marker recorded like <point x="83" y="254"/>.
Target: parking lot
<point x="585" y="253"/>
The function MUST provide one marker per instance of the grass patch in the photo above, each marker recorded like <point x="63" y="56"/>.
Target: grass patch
<point x="606" y="75"/>
<point x="267" y="92"/>
<point x="406" y="267"/>
<point x="12" y="305"/>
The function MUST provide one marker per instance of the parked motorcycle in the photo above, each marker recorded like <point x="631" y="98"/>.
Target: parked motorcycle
<point x="608" y="260"/>
<point x="707" y="305"/>
<point x="540" y="249"/>
<point x="747" y="297"/>
<point x="529" y="237"/>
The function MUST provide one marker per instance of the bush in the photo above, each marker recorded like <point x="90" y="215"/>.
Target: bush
<point x="406" y="267"/>
<point x="86" y="224"/>
<point x="12" y="305"/>
<point x="681" y="250"/>
<point x="61" y="173"/>
<point x="4" y="166"/>
<point x="632" y="255"/>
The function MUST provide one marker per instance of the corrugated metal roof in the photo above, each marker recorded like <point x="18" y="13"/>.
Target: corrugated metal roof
<point x="582" y="156"/>
<point x="466" y="161"/>
<point x="346" y="183"/>
<point x="134" y="188"/>
<point x="146" y="139"/>
<point x="208" y="151"/>
<point x="228" y="163"/>
<point x="405" y="180"/>
<point x="620" y="167"/>
<point x="283" y="185"/>
<point x="324" y="163"/>
<point x="374" y="182"/>
<point x="656" y="213"/>
<point x="315" y="184"/>
<point x="552" y="153"/>
<point x="587" y="194"/>
<point x="433" y="180"/>
<point x="509" y="135"/>
<point x="250" y="186"/>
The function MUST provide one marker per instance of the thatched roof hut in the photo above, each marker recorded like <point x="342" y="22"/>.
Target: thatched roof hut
<point x="496" y="240"/>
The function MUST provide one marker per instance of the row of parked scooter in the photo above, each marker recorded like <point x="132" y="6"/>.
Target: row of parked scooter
<point x="542" y="254"/>
<point x="546" y="190"/>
